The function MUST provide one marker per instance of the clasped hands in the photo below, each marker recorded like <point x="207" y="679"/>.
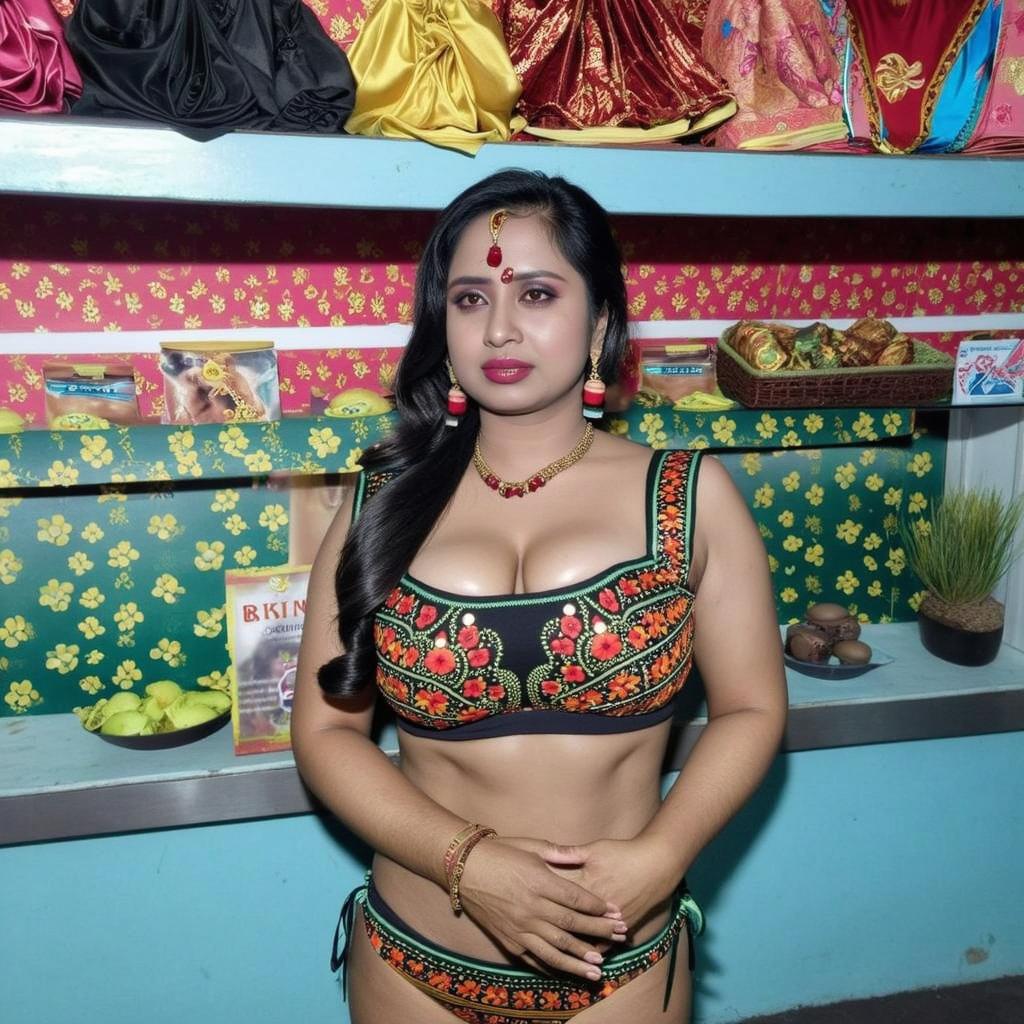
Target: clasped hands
<point x="563" y="907"/>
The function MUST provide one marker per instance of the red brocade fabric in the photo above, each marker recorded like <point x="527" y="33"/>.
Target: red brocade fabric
<point x="607" y="63"/>
<point x="906" y="49"/>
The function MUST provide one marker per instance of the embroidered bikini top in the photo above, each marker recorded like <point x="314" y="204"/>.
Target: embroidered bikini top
<point x="607" y="654"/>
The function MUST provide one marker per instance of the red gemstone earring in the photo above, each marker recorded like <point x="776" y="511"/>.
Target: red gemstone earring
<point x="457" y="401"/>
<point x="593" y="392"/>
<point x="496" y="222"/>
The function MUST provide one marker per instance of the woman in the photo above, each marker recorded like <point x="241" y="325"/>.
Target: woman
<point x="521" y="583"/>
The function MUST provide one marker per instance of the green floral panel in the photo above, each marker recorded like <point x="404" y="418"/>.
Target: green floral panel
<point x="830" y="521"/>
<point x="107" y="588"/>
<point x="63" y="458"/>
<point x="661" y="426"/>
<point x="101" y="591"/>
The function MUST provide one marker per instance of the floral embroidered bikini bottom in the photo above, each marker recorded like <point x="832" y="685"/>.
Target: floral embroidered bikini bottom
<point x="485" y="992"/>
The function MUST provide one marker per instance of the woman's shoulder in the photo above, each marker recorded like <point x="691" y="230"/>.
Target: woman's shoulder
<point x="621" y="451"/>
<point x="624" y="453"/>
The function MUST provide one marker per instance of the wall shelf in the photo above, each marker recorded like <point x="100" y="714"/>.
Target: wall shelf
<point x="158" y="452"/>
<point x="320" y="444"/>
<point x="74" y="157"/>
<point x="59" y="782"/>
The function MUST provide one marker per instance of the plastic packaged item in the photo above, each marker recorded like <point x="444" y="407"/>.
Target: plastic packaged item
<point x="89" y="394"/>
<point x="677" y="369"/>
<point x="220" y="381"/>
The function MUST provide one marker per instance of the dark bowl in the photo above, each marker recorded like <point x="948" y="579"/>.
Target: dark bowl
<point x="835" y="669"/>
<point x="164" y="740"/>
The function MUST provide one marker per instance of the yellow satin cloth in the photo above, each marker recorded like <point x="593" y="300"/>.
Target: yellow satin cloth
<point x="436" y="70"/>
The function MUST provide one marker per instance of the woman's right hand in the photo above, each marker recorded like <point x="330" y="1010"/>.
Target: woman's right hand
<point x="509" y="890"/>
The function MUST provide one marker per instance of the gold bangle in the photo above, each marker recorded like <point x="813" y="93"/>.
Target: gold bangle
<point x="460" y="866"/>
<point x="459" y="838"/>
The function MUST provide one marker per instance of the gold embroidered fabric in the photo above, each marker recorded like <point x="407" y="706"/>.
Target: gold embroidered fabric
<point x="436" y="70"/>
<point x="609" y="71"/>
<point x="1012" y="74"/>
<point x="894" y="77"/>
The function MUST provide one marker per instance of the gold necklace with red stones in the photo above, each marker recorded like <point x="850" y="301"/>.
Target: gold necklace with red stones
<point x="534" y="482"/>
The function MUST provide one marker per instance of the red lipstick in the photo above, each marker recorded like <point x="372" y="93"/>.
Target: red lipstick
<point x="506" y="371"/>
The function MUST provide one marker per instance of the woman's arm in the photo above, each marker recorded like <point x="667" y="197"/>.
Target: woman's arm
<point x="332" y="746"/>
<point x="517" y="898"/>
<point x="739" y="651"/>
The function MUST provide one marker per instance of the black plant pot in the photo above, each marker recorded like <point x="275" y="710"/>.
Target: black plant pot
<point x="959" y="646"/>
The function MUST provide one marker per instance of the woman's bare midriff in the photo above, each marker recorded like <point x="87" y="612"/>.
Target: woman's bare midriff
<point x="567" y="789"/>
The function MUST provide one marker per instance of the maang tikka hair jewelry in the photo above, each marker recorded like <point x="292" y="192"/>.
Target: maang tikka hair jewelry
<point x="495" y="224"/>
<point x="457" y="402"/>
<point x="593" y="391"/>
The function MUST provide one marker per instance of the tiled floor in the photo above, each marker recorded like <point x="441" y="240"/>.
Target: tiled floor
<point x="987" y="1002"/>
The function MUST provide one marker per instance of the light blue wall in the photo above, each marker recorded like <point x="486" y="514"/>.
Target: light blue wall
<point x="854" y="872"/>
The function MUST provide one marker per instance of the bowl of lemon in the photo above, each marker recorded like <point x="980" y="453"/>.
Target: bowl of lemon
<point x="164" y="716"/>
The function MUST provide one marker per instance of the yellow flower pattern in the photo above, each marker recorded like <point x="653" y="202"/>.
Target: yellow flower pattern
<point x="15" y="630"/>
<point x="273" y="517"/>
<point x="63" y="658"/>
<point x="91" y="627"/>
<point x="21" y="696"/>
<point x="209" y="555"/>
<point x="55" y="530"/>
<point x="158" y="552"/>
<point x="56" y="595"/>
<point x="10" y="566"/>
<point x="126" y="674"/>
<point x="168" y="650"/>
<point x="163" y="527"/>
<point x="167" y="588"/>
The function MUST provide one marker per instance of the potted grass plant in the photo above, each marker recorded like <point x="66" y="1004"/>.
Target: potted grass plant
<point x="960" y="552"/>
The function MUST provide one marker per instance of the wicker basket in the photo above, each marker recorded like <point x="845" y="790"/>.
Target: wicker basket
<point x="928" y="378"/>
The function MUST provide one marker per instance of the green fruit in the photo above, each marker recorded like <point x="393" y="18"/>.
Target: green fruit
<point x="164" y="692"/>
<point x="10" y="422"/>
<point x="183" y="713"/>
<point x="124" y="723"/>
<point x="152" y="709"/>
<point x="220" y="702"/>
<point x="123" y="701"/>
<point x="95" y="715"/>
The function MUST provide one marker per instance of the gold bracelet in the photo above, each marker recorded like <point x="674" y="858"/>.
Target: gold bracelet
<point x="460" y="866"/>
<point x="460" y="837"/>
<point x="452" y="862"/>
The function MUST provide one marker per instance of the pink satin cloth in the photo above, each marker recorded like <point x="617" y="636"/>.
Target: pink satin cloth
<point x="1001" y="125"/>
<point x="779" y="59"/>
<point x="37" y="73"/>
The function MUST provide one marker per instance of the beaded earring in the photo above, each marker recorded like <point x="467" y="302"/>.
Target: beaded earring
<point x="457" y="401"/>
<point x="593" y="392"/>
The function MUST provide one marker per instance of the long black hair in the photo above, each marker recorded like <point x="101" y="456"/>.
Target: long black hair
<point x="426" y="458"/>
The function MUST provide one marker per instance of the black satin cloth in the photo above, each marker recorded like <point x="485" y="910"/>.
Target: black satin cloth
<point x="207" y="66"/>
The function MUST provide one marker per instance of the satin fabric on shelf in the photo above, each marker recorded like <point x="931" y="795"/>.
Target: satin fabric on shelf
<point x="906" y="52"/>
<point x="611" y="70"/>
<point x="37" y="73"/>
<point x="779" y="59"/>
<point x="207" y="66"/>
<point x="435" y="70"/>
<point x="1000" y="128"/>
<point x="951" y="114"/>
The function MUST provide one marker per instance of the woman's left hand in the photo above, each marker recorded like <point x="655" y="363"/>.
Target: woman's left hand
<point x="635" y="875"/>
